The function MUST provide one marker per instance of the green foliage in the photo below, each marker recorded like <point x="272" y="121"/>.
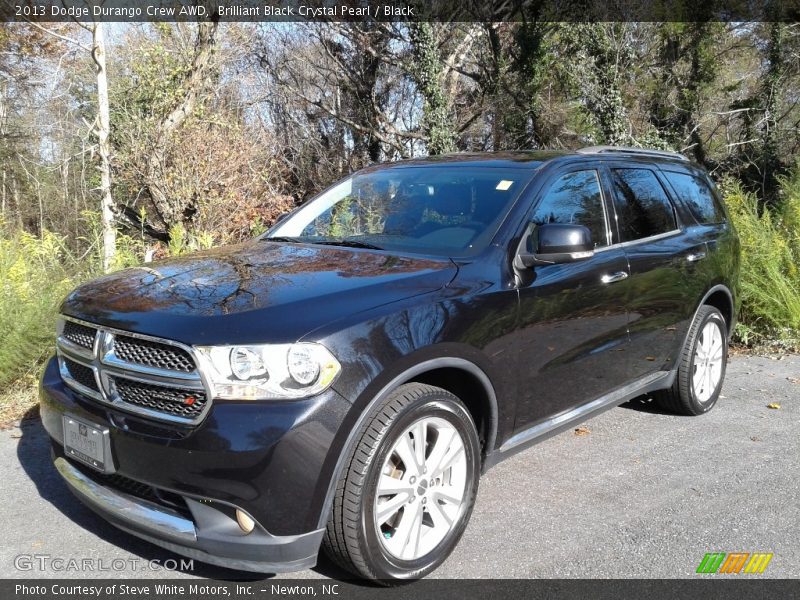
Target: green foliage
<point x="182" y="241"/>
<point x="600" y="62"/>
<point x="35" y="274"/>
<point x="427" y="68"/>
<point x="770" y="278"/>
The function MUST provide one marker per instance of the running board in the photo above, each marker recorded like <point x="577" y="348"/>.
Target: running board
<point x="557" y="424"/>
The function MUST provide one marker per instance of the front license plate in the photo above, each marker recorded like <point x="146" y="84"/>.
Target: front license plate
<point x="87" y="443"/>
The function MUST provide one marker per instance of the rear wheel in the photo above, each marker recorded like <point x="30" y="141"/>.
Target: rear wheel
<point x="403" y="503"/>
<point x="701" y="368"/>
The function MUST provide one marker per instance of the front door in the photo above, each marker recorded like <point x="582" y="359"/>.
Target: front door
<point x="572" y="336"/>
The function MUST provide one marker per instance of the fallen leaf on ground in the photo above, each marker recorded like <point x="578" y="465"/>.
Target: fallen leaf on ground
<point x="582" y="430"/>
<point x="774" y="405"/>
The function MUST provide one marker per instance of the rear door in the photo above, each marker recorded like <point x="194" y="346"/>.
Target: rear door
<point x="662" y="254"/>
<point x="572" y="333"/>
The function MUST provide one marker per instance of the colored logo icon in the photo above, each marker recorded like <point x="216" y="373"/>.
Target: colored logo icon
<point x="734" y="562"/>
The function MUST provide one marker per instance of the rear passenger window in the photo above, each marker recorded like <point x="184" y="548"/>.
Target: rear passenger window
<point x="643" y="208"/>
<point x="575" y="198"/>
<point x="698" y="197"/>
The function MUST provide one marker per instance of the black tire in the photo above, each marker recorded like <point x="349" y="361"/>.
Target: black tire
<point x="681" y="397"/>
<point x="351" y="538"/>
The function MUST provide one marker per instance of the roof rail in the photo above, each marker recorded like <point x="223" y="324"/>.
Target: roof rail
<point x="629" y="150"/>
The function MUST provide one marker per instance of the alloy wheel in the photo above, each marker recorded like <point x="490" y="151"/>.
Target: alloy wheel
<point x="708" y="355"/>
<point x="421" y="488"/>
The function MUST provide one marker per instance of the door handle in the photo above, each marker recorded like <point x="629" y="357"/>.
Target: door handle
<point x="618" y="276"/>
<point x="695" y="256"/>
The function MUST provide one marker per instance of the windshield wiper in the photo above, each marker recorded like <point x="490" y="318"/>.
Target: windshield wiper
<point x="282" y="238"/>
<point x="346" y="244"/>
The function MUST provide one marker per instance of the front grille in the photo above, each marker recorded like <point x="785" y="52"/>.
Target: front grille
<point x="177" y="402"/>
<point x="78" y="334"/>
<point x="154" y="377"/>
<point x="82" y="374"/>
<point x="152" y="354"/>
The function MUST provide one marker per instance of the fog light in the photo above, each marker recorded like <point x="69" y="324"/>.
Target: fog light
<point x="246" y="523"/>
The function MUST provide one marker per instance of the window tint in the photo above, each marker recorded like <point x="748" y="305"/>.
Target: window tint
<point x="698" y="197"/>
<point x="443" y="210"/>
<point x="643" y="208"/>
<point x="575" y="198"/>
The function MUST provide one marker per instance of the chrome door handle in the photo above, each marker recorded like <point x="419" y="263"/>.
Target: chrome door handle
<point x="618" y="276"/>
<point x="695" y="256"/>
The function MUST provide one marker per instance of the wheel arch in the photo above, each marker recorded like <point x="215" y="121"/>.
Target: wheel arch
<point x="721" y="298"/>
<point x="441" y="372"/>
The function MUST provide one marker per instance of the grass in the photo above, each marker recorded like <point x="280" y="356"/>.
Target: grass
<point x="19" y="400"/>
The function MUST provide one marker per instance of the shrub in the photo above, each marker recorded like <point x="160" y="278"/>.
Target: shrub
<point x="35" y="274"/>
<point x="770" y="277"/>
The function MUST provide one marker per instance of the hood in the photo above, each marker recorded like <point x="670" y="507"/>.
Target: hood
<point x="259" y="291"/>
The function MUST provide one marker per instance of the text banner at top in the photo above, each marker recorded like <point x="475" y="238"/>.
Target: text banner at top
<point x="131" y="11"/>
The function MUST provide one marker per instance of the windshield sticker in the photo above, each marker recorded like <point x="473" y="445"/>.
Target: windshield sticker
<point x="504" y="185"/>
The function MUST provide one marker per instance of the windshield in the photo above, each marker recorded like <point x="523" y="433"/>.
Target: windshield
<point x="437" y="210"/>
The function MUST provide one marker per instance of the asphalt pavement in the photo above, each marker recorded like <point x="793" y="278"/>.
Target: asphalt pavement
<point x="638" y="493"/>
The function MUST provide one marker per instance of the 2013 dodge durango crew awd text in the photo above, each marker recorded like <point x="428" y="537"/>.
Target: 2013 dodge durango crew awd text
<point x="343" y="380"/>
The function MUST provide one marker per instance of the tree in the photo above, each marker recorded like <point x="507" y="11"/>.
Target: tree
<point x="101" y="128"/>
<point x="685" y="71"/>
<point x="602" y="56"/>
<point x="426" y="68"/>
<point x="197" y="79"/>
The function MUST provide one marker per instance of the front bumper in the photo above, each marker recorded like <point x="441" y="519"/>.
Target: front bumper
<point x="271" y="460"/>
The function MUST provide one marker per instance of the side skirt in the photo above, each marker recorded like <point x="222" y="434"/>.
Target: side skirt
<point x="541" y="431"/>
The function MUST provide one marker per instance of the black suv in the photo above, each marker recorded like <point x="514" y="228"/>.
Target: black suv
<point x="343" y="380"/>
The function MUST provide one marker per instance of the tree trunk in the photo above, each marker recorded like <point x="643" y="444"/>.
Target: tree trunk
<point x="198" y="77"/>
<point x="104" y="149"/>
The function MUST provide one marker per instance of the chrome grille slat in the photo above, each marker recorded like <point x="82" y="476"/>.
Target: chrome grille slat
<point x="141" y="374"/>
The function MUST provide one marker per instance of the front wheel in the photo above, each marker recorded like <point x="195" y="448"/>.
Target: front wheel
<point x="403" y="503"/>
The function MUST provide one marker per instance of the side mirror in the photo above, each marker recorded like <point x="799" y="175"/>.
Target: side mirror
<point x="553" y="243"/>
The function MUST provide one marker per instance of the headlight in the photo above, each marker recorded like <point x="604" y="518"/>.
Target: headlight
<point x="268" y="371"/>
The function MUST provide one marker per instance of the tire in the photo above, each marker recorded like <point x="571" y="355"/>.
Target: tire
<point x="400" y="548"/>
<point x="685" y="397"/>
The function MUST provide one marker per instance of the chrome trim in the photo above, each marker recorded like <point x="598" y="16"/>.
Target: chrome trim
<point x="695" y="256"/>
<point x="78" y="387"/>
<point x="137" y="514"/>
<point x="74" y="348"/>
<point x="614" y="277"/>
<point x="104" y="363"/>
<point x="190" y="385"/>
<point x="629" y="243"/>
<point x="110" y="359"/>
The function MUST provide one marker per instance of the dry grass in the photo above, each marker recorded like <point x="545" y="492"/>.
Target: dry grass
<point x="19" y="400"/>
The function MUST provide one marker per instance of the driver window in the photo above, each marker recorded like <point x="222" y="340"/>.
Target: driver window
<point x="575" y="198"/>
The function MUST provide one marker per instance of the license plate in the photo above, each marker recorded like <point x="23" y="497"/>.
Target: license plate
<point x="87" y="443"/>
